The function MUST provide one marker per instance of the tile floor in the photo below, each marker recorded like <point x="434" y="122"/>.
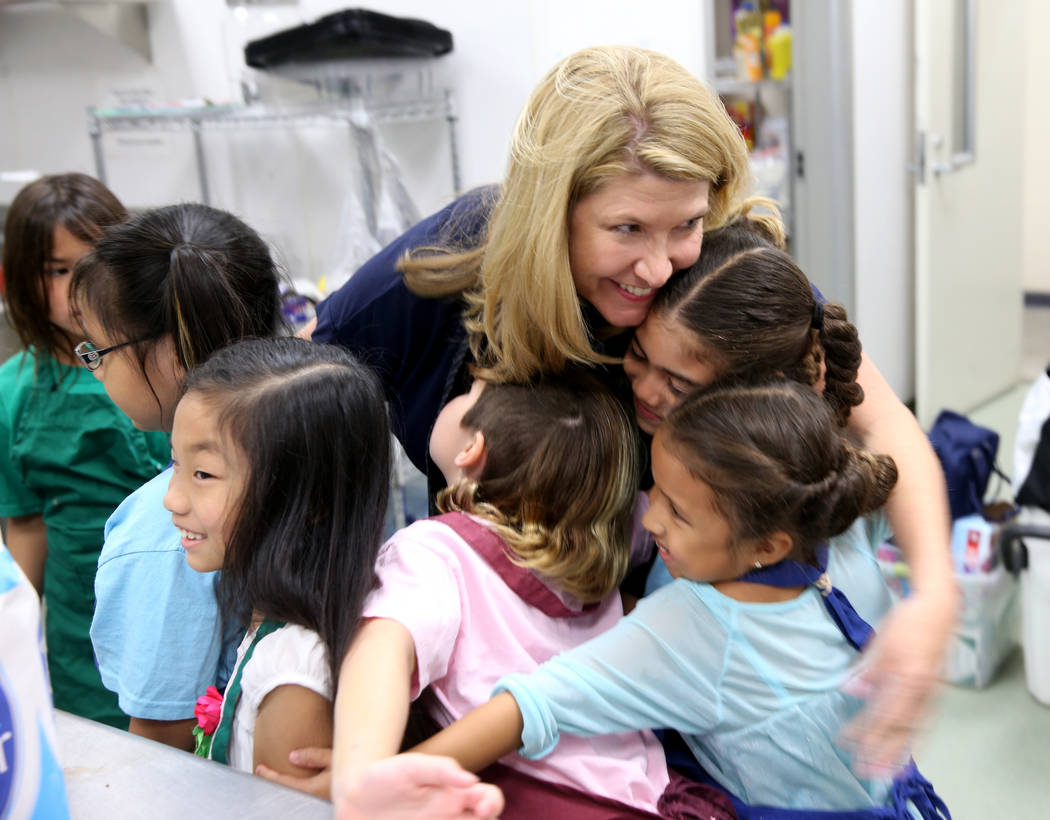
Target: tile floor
<point x="987" y="751"/>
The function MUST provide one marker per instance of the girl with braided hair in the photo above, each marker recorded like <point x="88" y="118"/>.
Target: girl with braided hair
<point x="743" y="312"/>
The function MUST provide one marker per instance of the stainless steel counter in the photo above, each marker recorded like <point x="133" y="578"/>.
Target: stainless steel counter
<point x="112" y="775"/>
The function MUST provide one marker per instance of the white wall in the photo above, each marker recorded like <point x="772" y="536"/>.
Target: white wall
<point x="1034" y="113"/>
<point x="884" y="297"/>
<point x="53" y="66"/>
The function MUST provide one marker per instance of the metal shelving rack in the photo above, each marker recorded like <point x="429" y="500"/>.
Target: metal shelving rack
<point x="199" y="120"/>
<point x="345" y="95"/>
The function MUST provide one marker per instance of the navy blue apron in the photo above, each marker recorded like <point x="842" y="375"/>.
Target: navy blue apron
<point x="909" y="787"/>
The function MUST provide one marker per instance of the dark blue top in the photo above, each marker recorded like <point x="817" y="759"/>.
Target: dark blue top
<point x="416" y="345"/>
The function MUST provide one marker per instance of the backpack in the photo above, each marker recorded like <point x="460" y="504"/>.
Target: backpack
<point x="967" y="454"/>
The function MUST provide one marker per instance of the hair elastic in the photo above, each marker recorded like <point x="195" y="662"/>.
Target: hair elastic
<point x="817" y="321"/>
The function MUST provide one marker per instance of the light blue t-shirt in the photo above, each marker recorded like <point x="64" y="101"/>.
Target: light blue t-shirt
<point x="754" y="688"/>
<point x="157" y="632"/>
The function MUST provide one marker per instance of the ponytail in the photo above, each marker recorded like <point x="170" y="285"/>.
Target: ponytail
<point x="189" y="271"/>
<point x="194" y="287"/>
<point x="859" y="484"/>
<point x="841" y="346"/>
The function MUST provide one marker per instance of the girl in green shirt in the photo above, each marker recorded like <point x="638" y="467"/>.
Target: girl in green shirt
<point x="68" y="455"/>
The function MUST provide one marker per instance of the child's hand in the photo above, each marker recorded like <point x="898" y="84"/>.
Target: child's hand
<point x="411" y="786"/>
<point x="900" y="671"/>
<point x="319" y="785"/>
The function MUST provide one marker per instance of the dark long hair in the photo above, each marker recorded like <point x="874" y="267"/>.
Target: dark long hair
<point x="752" y="311"/>
<point x="776" y="460"/>
<point x="311" y="422"/>
<point x="80" y="204"/>
<point x="191" y="271"/>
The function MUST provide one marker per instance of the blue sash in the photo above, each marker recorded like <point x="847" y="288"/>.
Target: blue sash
<point x="910" y="788"/>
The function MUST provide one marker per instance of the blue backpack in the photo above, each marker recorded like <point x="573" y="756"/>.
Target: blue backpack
<point x="967" y="453"/>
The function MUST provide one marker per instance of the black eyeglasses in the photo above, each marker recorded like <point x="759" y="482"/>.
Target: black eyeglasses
<point x="91" y="356"/>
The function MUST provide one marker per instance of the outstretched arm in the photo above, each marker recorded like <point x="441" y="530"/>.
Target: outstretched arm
<point x="604" y="686"/>
<point x="371" y="703"/>
<point x="481" y="737"/>
<point x="903" y="661"/>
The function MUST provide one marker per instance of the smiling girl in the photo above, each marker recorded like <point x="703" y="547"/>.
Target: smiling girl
<point x="281" y="461"/>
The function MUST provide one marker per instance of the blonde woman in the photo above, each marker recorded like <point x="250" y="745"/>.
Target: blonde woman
<point x="619" y="162"/>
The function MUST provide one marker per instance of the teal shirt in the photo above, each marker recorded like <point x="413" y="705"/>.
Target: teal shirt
<point x="69" y="454"/>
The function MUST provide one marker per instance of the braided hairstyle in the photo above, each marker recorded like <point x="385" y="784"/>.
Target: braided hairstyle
<point x="754" y="315"/>
<point x="776" y="461"/>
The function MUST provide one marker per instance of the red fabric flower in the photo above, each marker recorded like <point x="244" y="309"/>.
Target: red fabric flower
<point x="208" y="710"/>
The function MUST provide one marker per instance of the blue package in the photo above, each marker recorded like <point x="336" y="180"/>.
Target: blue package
<point x="31" y="783"/>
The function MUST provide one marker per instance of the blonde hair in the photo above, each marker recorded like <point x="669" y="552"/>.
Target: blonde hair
<point x="598" y="115"/>
<point x="559" y="482"/>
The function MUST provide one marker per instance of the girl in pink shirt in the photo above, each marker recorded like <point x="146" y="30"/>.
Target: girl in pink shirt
<point x="524" y="563"/>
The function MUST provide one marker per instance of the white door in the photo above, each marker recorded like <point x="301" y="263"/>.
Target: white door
<point x="968" y="200"/>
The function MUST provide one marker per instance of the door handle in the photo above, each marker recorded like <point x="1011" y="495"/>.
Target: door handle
<point x="919" y="166"/>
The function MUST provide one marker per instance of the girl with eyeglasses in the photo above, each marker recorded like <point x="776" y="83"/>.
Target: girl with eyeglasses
<point x="156" y="297"/>
<point x="68" y="455"/>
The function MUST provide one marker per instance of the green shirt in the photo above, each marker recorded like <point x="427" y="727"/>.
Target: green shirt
<point x="70" y="455"/>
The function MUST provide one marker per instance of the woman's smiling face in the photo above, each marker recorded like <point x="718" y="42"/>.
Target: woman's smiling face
<point x="628" y="237"/>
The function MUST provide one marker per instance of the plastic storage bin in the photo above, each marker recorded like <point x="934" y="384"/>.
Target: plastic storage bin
<point x="988" y="623"/>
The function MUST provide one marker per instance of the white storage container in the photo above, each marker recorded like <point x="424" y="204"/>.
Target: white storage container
<point x="988" y="623"/>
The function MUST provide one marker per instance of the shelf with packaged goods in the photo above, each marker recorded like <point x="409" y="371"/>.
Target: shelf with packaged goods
<point x="726" y="86"/>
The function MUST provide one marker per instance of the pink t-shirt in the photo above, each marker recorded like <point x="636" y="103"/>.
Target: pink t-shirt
<point x="470" y="628"/>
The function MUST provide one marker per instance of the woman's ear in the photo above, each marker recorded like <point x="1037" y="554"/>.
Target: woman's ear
<point x="774" y="547"/>
<point x="471" y="459"/>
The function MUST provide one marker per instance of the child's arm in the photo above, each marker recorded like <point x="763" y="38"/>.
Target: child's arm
<point x="372" y="700"/>
<point x="177" y="733"/>
<point x="905" y="657"/>
<point x="412" y="785"/>
<point x="290" y="717"/>
<point x="27" y="543"/>
<point x="653" y="669"/>
<point x="482" y="736"/>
